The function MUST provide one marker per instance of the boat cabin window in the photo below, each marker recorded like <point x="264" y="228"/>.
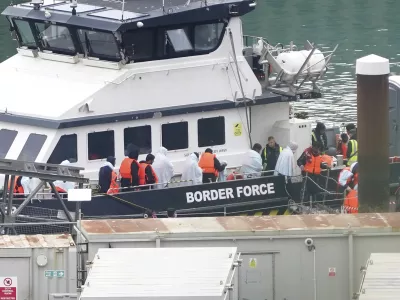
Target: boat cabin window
<point x="32" y="147"/>
<point x="139" y="44"/>
<point x="25" y="34"/>
<point x="55" y="38"/>
<point x="99" y="44"/>
<point x="101" y="144"/>
<point x="175" y="136"/>
<point x="139" y="136"/>
<point x="7" y="137"/>
<point x="173" y="42"/>
<point x="211" y="131"/>
<point x="207" y="36"/>
<point x="66" y="148"/>
<point x="179" y="40"/>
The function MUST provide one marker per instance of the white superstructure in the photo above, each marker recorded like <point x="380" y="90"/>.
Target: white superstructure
<point x="63" y="100"/>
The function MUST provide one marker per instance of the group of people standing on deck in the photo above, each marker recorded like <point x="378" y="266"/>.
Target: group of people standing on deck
<point x="319" y="157"/>
<point x="134" y="174"/>
<point x="156" y="171"/>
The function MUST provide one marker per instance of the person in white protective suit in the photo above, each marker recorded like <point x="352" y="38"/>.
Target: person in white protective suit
<point x="64" y="186"/>
<point x="163" y="168"/>
<point x="192" y="173"/>
<point x="252" y="163"/>
<point x="286" y="164"/>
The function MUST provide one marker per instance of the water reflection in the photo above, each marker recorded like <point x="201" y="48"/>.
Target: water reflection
<point x="360" y="27"/>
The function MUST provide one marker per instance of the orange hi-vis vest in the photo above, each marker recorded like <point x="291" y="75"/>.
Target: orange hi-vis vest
<point x="314" y="166"/>
<point x="142" y="174"/>
<point x="17" y="189"/>
<point x="350" y="204"/>
<point x="125" y="168"/>
<point x="206" y="163"/>
<point x="114" y="187"/>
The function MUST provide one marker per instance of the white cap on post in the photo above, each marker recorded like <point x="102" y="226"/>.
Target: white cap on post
<point x="372" y="65"/>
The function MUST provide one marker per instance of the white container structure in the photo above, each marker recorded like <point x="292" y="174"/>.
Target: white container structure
<point x="278" y="261"/>
<point x="162" y="273"/>
<point x="38" y="266"/>
<point x="382" y="277"/>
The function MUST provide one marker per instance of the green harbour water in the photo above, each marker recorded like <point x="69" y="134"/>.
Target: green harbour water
<point x="360" y="27"/>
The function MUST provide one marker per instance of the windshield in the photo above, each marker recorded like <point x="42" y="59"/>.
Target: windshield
<point x="7" y="137"/>
<point x="55" y="38"/>
<point x="25" y="34"/>
<point x="99" y="44"/>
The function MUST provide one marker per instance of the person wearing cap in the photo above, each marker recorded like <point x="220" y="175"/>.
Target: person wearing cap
<point x="352" y="148"/>
<point x="108" y="177"/>
<point x="286" y="164"/>
<point x="348" y="180"/>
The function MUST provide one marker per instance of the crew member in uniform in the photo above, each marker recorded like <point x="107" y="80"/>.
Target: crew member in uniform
<point x="129" y="169"/>
<point x="270" y="155"/>
<point x="146" y="172"/>
<point x="348" y="180"/>
<point x="352" y="148"/>
<point x="319" y="135"/>
<point x="210" y="166"/>
<point x="108" y="177"/>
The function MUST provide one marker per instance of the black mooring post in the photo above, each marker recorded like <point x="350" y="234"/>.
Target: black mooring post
<point x="373" y="132"/>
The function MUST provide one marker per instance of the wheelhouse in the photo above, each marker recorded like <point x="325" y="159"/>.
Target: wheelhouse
<point x="112" y="34"/>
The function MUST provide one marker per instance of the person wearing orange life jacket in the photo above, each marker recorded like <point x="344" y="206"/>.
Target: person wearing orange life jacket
<point x="311" y="163"/>
<point x="348" y="180"/>
<point x="129" y="169"/>
<point x="146" y="172"/>
<point x="210" y="166"/>
<point x="18" y="189"/>
<point x="108" y="177"/>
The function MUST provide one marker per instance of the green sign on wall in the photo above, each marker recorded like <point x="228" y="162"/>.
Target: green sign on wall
<point x="54" y="273"/>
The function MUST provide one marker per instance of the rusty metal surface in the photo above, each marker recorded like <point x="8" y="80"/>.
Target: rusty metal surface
<point x="36" y="241"/>
<point x="373" y="142"/>
<point x="386" y="221"/>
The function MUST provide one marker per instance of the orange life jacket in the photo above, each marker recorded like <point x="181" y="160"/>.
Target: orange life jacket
<point x="327" y="159"/>
<point x="114" y="187"/>
<point x="125" y="168"/>
<point x="142" y="173"/>
<point x="351" y="202"/>
<point x="314" y="166"/>
<point x="17" y="189"/>
<point x="60" y="190"/>
<point x="206" y="163"/>
<point x="344" y="150"/>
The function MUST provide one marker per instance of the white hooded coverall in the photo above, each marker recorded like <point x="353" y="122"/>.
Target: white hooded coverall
<point x="191" y="171"/>
<point x="163" y="168"/>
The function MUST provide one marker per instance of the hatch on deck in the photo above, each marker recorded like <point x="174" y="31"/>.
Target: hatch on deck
<point x="164" y="273"/>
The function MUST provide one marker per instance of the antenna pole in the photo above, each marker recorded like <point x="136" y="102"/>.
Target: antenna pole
<point x="123" y="8"/>
<point x="163" y="4"/>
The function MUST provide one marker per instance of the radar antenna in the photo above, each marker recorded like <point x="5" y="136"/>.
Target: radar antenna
<point x="74" y="4"/>
<point x="36" y="4"/>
